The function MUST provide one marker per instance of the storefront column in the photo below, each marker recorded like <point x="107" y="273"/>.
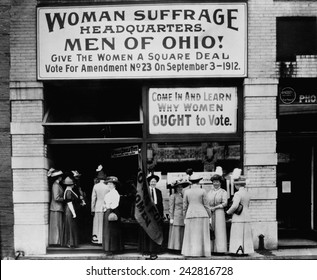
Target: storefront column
<point x="29" y="167"/>
<point x="260" y="157"/>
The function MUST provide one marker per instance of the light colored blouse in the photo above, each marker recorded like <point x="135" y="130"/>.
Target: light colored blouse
<point x="217" y="197"/>
<point x="111" y="200"/>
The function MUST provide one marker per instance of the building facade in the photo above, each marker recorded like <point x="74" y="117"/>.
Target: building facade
<point x="70" y="111"/>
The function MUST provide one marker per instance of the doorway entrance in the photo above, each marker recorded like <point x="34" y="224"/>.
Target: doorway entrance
<point x="85" y="159"/>
<point x="296" y="182"/>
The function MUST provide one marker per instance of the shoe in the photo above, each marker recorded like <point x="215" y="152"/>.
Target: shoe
<point x="152" y="257"/>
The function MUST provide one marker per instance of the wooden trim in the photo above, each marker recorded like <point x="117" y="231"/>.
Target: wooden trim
<point x="93" y="140"/>
<point x="297" y="109"/>
<point x="88" y="123"/>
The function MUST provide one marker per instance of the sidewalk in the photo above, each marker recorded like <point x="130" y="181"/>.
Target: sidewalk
<point x="284" y="254"/>
<point x="288" y="249"/>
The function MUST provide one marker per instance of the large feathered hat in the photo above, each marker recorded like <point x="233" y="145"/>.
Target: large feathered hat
<point x="195" y="178"/>
<point x="101" y="175"/>
<point x="112" y="179"/>
<point x="68" y="181"/>
<point x="53" y="173"/>
<point x="181" y="183"/>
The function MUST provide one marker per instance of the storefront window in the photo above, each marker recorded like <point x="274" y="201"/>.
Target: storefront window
<point x="300" y="41"/>
<point x="177" y="157"/>
<point x="171" y="161"/>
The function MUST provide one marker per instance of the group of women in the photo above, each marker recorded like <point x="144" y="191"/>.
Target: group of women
<point x="65" y="202"/>
<point x="198" y="219"/>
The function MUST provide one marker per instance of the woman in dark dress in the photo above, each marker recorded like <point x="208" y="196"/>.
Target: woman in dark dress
<point x="56" y="225"/>
<point x="111" y="241"/>
<point x="176" y="230"/>
<point x="72" y="200"/>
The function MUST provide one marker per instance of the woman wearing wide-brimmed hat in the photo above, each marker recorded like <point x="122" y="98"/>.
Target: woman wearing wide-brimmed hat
<point x="176" y="230"/>
<point x="111" y="241"/>
<point x="196" y="242"/>
<point x="241" y="240"/>
<point x="97" y="200"/>
<point x="72" y="201"/>
<point x="56" y="225"/>
<point x="217" y="200"/>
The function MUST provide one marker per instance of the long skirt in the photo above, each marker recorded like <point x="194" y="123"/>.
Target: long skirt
<point x="241" y="241"/>
<point x="70" y="229"/>
<point x="175" y="237"/>
<point x="146" y="245"/>
<point x="56" y="228"/>
<point x="111" y="241"/>
<point x="219" y="244"/>
<point x="97" y="228"/>
<point x="196" y="242"/>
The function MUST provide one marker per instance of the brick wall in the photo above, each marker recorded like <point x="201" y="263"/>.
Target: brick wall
<point x="27" y="145"/>
<point x="262" y="33"/>
<point x="306" y="66"/>
<point x="260" y="123"/>
<point x="29" y="163"/>
<point x="23" y="41"/>
<point x="6" y="202"/>
<point x="29" y="166"/>
<point x="260" y="158"/>
<point x="26" y="111"/>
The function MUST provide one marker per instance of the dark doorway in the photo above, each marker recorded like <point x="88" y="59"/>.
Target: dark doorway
<point x="85" y="158"/>
<point x="294" y="179"/>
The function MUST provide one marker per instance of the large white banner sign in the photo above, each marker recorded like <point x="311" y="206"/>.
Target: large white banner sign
<point x="192" y="110"/>
<point x="142" y="41"/>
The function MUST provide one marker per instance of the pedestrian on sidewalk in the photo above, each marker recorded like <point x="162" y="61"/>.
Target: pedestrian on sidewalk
<point x="176" y="229"/>
<point x="72" y="203"/>
<point x="217" y="200"/>
<point x="145" y="244"/>
<point x="112" y="241"/>
<point x="97" y="200"/>
<point x="241" y="240"/>
<point x="56" y="225"/>
<point x="196" y="241"/>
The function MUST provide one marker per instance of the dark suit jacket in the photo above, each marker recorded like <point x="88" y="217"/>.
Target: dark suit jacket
<point x="159" y="204"/>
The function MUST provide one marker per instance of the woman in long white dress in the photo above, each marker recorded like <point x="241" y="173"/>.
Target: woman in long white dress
<point x="196" y="242"/>
<point x="241" y="240"/>
<point x="98" y="193"/>
<point x="217" y="200"/>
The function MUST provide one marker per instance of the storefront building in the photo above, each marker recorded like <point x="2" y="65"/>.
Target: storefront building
<point x="190" y="85"/>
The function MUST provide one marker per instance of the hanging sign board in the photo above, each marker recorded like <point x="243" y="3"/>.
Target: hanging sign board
<point x="125" y="151"/>
<point x="192" y="110"/>
<point x="142" y="41"/>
